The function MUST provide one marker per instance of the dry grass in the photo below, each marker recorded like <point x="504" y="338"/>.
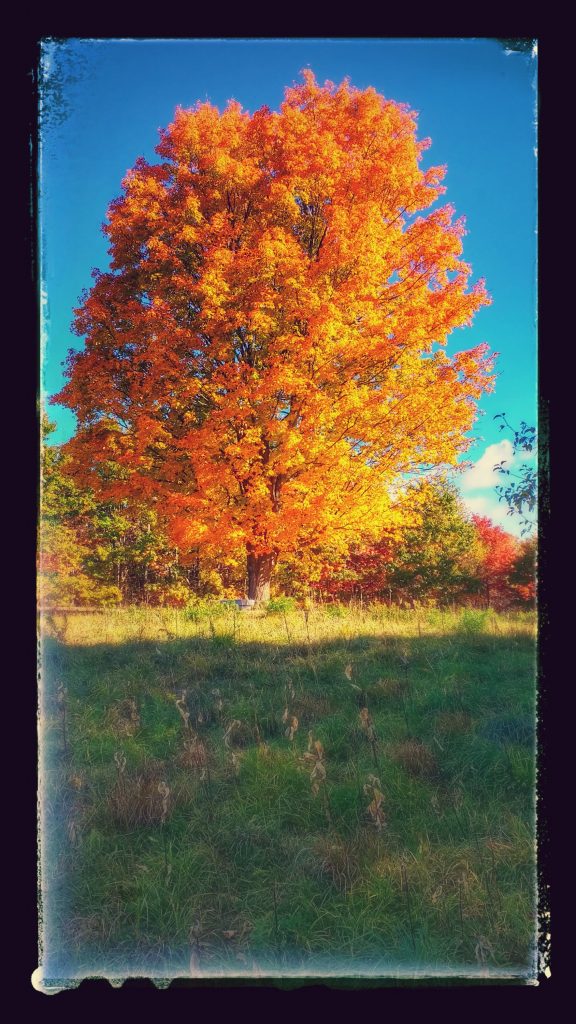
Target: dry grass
<point x="450" y="723"/>
<point x="415" y="757"/>
<point x="123" y="625"/>
<point x="122" y="717"/>
<point x="137" y="799"/>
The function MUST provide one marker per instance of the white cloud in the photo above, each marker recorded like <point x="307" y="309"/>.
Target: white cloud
<point x="481" y="474"/>
<point x="496" y="511"/>
<point x="478" y="485"/>
<point x="526" y="456"/>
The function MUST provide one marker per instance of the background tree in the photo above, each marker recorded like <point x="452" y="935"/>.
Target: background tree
<point x="63" y="578"/>
<point x="365" y="573"/>
<point x="523" y="572"/>
<point x="437" y="559"/>
<point x="95" y="551"/>
<point x="500" y="551"/>
<point x="265" y="355"/>
<point x="434" y="559"/>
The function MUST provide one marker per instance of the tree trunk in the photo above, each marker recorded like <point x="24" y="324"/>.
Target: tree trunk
<point x="259" y="572"/>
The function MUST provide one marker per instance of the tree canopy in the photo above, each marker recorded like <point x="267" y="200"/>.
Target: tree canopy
<point x="265" y="355"/>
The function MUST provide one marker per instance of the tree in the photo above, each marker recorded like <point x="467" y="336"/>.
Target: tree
<point x="434" y="558"/>
<point x="265" y="354"/>
<point x="500" y="551"/>
<point x="437" y="558"/>
<point x="521" y="490"/>
<point x="63" y="578"/>
<point x="100" y="552"/>
<point x="523" y="573"/>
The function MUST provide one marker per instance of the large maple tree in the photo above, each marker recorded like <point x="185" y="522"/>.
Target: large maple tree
<point x="264" y="356"/>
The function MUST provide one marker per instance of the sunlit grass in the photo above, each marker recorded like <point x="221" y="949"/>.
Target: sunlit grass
<point x="225" y="626"/>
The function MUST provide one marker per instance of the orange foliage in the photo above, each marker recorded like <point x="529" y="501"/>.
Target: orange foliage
<point x="264" y="356"/>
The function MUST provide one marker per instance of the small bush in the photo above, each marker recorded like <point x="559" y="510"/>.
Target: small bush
<point x="335" y="611"/>
<point x="472" y="622"/>
<point x="199" y="609"/>
<point x="277" y="605"/>
<point x="435" y="618"/>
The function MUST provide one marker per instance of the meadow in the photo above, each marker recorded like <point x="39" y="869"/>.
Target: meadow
<point x="345" y="791"/>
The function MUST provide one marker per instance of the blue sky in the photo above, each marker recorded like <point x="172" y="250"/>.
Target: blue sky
<point x="104" y="102"/>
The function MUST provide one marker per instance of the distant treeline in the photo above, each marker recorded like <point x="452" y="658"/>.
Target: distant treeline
<point x="99" y="553"/>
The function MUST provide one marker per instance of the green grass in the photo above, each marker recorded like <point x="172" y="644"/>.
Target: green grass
<point x="247" y="868"/>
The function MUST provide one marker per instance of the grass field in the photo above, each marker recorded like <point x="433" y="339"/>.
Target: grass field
<point x="341" y="791"/>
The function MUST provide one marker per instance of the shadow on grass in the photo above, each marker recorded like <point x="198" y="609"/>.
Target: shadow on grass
<point x="249" y="868"/>
<point x="224" y="656"/>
